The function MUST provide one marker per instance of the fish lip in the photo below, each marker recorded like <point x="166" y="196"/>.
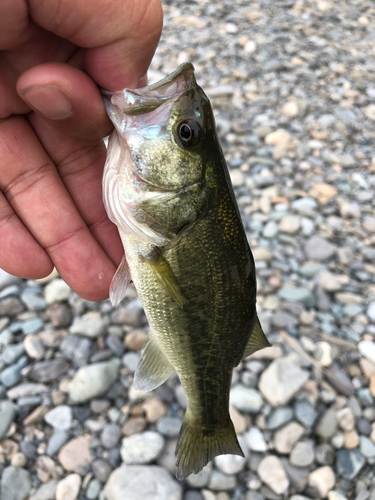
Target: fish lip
<point x="146" y="99"/>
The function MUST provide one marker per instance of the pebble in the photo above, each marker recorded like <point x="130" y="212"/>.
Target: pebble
<point x="278" y="417"/>
<point x="302" y="454"/>
<point x="322" y="480"/>
<point x="246" y="399"/>
<point x="201" y="479"/>
<point x="10" y="306"/>
<point x="349" y="463"/>
<point x="26" y="389"/>
<point x="93" y="380"/>
<point x="134" y="482"/>
<point x="68" y="488"/>
<point x="221" y="482"/>
<point x="90" y="325"/>
<point x="110" y="435"/>
<point x="56" y="441"/>
<point x="296" y="294"/>
<point x="33" y="346"/>
<point x="367" y="349"/>
<point x="285" y="437"/>
<point x="319" y="249"/>
<point x="142" y="448"/>
<point x="60" y="418"/>
<point x="169" y="426"/>
<point x="56" y="291"/>
<point x="135" y="339"/>
<point x="15" y="483"/>
<point x="305" y="412"/>
<point x="12" y="374"/>
<point x="327" y="424"/>
<point x="367" y="447"/>
<point x="101" y="469"/>
<point x="12" y="353"/>
<point x="32" y="325"/>
<point x="75" y="455"/>
<point x="281" y="381"/>
<point x="93" y="489"/>
<point x="46" y="371"/>
<point x="272" y="473"/>
<point x="46" y="491"/>
<point x="255" y="440"/>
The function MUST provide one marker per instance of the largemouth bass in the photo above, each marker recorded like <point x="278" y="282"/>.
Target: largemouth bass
<point x="167" y="188"/>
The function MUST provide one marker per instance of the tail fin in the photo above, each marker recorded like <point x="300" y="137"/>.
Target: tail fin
<point x="197" y="446"/>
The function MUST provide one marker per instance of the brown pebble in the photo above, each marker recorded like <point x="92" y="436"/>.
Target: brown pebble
<point x="134" y="426"/>
<point x="154" y="409"/>
<point x="135" y="339"/>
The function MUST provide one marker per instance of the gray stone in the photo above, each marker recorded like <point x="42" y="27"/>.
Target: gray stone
<point x="60" y="418"/>
<point x="134" y="482"/>
<point x="27" y="389"/>
<point x="7" y="279"/>
<point x="132" y="314"/>
<point x="281" y="381"/>
<point x="305" y="412"/>
<point x="33" y="301"/>
<point x="169" y="426"/>
<point x="221" y="482"/>
<point x="15" y="483"/>
<point x="142" y="448"/>
<point x="10" y="306"/>
<point x="101" y="469"/>
<point x="246" y="399"/>
<point x="130" y="361"/>
<point x="93" y="489"/>
<point x="12" y="353"/>
<point x="302" y="454"/>
<point x="327" y="424"/>
<point x="46" y="491"/>
<point x="7" y="415"/>
<point x="110" y="435"/>
<point x="371" y="311"/>
<point x="325" y="454"/>
<point x="12" y="375"/>
<point x="297" y="476"/>
<point x="295" y="294"/>
<point x="46" y="371"/>
<point x="77" y="349"/>
<point x="304" y="206"/>
<point x="349" y="463"/>
<point x="270" y="229"/>
<point x="367" y="447"/>
<point x="200" y="479"/>
<point x="318" y="248"/>
<point x="93" y="380"/>
<point x="32" y="325"/>
<point x="90" y="325"/>
<point x="60" y="315"/>
<point x="278" y="417"/>
<point x="56" y="441"/>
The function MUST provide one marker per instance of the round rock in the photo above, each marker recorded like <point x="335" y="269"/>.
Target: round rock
<point x="246" y="399"/>
<point x="134" y="482"/>
<point x="142" y="448"/>
<point x="272" y="473"/>
<point x="15" y="483"/>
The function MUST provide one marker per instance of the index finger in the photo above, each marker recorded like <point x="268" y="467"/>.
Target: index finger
<point x="120" y="37"/>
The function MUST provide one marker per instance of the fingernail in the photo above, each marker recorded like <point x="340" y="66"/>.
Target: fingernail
<point x="48" y="100"/>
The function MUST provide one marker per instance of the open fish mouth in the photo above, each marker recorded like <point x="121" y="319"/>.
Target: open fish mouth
<point x="125" y="104"/>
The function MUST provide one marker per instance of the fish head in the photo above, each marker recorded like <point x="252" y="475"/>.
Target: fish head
<point x="162" y="132"/>
<point x="164" y="128"/>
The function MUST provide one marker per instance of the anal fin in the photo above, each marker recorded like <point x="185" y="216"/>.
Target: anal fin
<point x="120" y="282"/>
<point x="164" y="274"/>
<point x="153" y="368"/>
<point x="256" y="341"/>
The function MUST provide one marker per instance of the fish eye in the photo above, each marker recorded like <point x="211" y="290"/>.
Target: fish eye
<point x="188" y="132"/>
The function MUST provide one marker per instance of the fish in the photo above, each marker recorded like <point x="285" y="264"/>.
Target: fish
<point x="167" y="187"/>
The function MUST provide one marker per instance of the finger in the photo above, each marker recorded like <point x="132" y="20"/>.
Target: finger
<point x="36" y="193"/>
<point x="80" y="166"/>
<point x="20" y="254"/>
<point x="67" y="98"/>
<point x="121" y="36"/>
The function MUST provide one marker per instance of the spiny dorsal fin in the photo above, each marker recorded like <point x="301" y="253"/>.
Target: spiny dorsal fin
<point x="153" y="368"/>
<point x="256" y="341"/>
<point x="120" y="282"/>
<point x="164" y="274"/>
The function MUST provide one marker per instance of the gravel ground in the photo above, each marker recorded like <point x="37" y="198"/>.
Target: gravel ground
<point x="292" y="85"/>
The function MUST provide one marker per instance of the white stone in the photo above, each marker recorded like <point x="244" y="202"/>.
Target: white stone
<point x="367" y="349"/>
<point x="272" y="473"/>
<point x="142" y="448"/>
<point x="323" y="480"/>
<point x="90" y="324"/>
<point x="255" y="440"/>
<point x="135" y="482"/>
<point x="93" y="380"/>
<point x="285" y="437"/>
<point x="68" y="488"/>
<point x="60" y="418"/>
<point x="57" y="291"/>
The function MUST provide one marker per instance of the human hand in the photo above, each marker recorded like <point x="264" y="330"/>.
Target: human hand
<point x="53" y="54"/>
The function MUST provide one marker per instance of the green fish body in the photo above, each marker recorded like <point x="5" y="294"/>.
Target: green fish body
<point x="166" y="186"/>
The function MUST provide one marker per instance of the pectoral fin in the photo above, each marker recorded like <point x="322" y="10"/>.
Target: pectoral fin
<point x="164" y="274"/>
<point x="153" y="368"/>
<point x="256" y="341"/>
<point x="120" y="282"/>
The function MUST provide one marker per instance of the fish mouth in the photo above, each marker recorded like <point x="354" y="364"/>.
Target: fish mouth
<point x="135" y="102"/>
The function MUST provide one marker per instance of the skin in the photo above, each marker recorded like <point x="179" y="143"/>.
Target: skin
<point x="53" y="54"/>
